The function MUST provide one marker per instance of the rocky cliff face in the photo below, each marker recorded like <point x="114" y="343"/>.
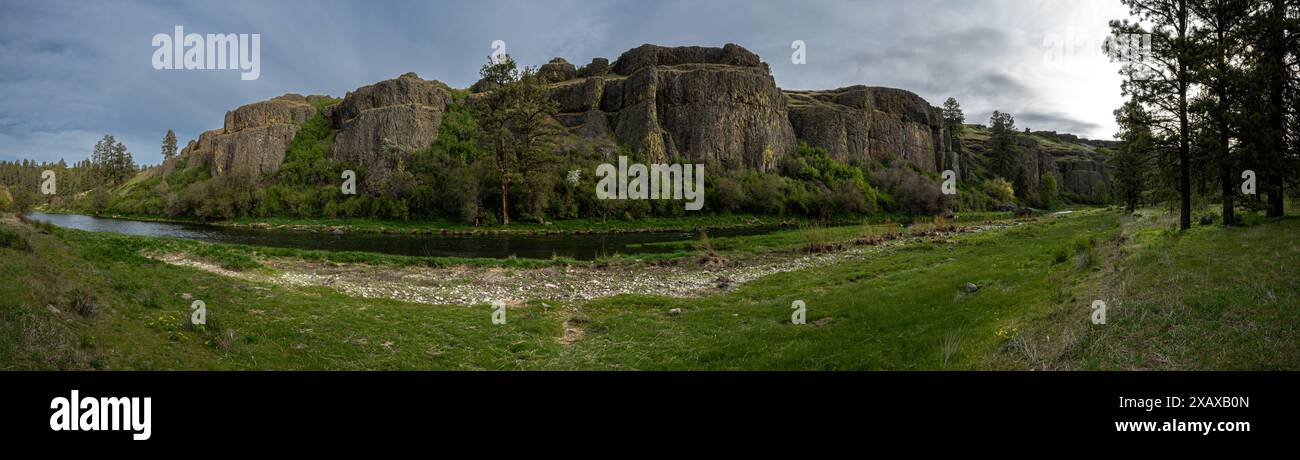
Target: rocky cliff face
<point x="254" y="137"/>
<point x="698" y="104"/>
<point x="861" y="123"/>
<point x="382" y="123"/>
<point x="716" y="105"/>
<point x="1077" y="170"/>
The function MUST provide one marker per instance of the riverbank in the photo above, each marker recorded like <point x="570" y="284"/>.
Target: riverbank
<point x="562" y="227"/>
<point x="454" y="228"/>
<point x="1011" y="297"/>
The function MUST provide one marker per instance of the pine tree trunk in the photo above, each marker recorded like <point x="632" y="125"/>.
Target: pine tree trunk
<point x="1229" y="216"/>
<point x="1277" y="111"/>
<point x="505" y="202"/>
<point x="1184" y="136"/>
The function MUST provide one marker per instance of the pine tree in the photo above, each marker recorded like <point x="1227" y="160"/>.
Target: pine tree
<point x="1219" y="42"/>
<point x="169" y="145"/>
<point x="1164" y="81"/>
<point x="1134" y="156"/>
<point x="1002" y="149"/>
<point x="513" y="122"/>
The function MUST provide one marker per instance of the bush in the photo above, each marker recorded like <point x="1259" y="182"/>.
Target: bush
<point x="1048" y="191"/>
<point x="13" y="240"/>
<point x="1000" y="190"/>
<point x="6" y="200"/>
<point x="912" y="193"/>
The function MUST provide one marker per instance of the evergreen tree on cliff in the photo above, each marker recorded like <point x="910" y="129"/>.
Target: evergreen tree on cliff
<point x="513" y="118"/>
<point x="169" y="145"/>
<point x="1163" y="81"/>
<point x="1002" y="148"/>
<point x="953" y="118"/>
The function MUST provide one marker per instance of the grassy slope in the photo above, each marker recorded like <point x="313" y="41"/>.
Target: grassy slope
<point x="901" y="309"/>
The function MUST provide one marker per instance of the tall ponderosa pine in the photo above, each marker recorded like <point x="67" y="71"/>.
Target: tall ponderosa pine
<point x="513" y="120"/>
<point x="169" y="145"/>
<point x="1002" y="148"/>
<point x="112" y="162"/>
<point x="1273" y="79"/>
<point x="1163" y="81"/>
<point x="954" y="123"/>
<point x="1219" y="40"/>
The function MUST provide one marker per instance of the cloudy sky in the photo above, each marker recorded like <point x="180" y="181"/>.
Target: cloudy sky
<point x="71" y="71"/>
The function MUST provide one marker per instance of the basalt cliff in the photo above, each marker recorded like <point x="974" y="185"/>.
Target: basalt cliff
<point x="718" y="106"/>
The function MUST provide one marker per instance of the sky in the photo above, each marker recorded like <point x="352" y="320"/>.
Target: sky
<point x="72" y="71"/>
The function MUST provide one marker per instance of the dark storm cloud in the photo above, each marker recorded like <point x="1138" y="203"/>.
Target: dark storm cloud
<point x="72" y="71"/>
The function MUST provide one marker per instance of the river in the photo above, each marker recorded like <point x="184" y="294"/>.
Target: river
<point x="577" y="246"/>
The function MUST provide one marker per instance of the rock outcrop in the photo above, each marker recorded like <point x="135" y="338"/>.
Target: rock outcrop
<point x="557" y="70"/>
<point x="698" y="104"/>
<point x="598" y="67"/>
<point x="254" y="137"/>
<point x="1077" y="169"/>
<point x="861" y="123"/>
<point x="382" y="123"/>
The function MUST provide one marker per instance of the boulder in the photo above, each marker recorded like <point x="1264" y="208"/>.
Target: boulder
<point x="383" y="123"/>
<point x="861" y="123"/>
<point x="598" y="67"/>
<point x="557" y="70"/>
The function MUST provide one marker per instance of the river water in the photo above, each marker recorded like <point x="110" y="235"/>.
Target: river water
<point x="577" y="246"/>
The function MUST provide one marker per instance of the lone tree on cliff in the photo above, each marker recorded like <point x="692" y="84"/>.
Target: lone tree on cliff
<point x="513" y="118"/>
<point x="169" y="145"/>
<point x="953" y="118"/>
<point x="1002" y="149"/>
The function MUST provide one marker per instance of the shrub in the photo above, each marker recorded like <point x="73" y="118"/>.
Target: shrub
<point x="13" y="240"/>
<point x="6" y="200"/>
<point x="1000" y="190"/>
<point x="912" y="192"/>
<point x="1048" y="191"/>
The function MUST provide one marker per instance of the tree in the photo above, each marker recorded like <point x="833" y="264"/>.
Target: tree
<point x="169" y="145"/>
<point x="1002" y="148"/>
<point x="1274" y="39"/>
<point x="1133" y="158"/>
<point x="112" y="162"/>
<point x="953" y="118"/>
<point x="513" y="119"/>
<point x="1163" y="81"/>
<point x="1218" y="41"/>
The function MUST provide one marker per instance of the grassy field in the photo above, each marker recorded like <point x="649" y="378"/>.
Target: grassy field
<point x="1207" y="299"/>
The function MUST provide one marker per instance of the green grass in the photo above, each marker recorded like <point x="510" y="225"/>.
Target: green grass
<point x="1208" y="299"/>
